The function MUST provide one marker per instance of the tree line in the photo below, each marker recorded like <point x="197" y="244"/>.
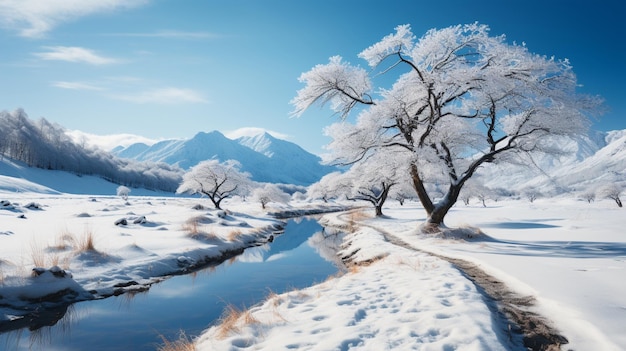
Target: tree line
<point x="42" y="144"/>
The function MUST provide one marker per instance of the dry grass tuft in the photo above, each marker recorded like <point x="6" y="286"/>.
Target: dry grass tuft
<point x="274" y="297"/>
<point x="86" y="242"/>
<point x="183" y="343"/>
<point x="38" y="255"/>
<point x="230" y="320"/>
<point x="234" y="234"/>
<point x="63" y="241"/>
<point x="355" y="217"/>
<point x="193" y="227"/>
<point x="353" y="269"/>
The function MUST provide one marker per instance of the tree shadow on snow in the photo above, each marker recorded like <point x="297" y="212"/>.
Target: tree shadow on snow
<point x="573" y="249"/>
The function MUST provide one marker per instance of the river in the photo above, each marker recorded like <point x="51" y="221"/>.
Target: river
<point x="300" y="257"/>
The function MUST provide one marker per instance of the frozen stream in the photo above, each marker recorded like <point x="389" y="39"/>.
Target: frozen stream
<point x="191" y="302"/>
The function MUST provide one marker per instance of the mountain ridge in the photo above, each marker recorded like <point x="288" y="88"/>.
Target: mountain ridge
<point x="265" y="157"/>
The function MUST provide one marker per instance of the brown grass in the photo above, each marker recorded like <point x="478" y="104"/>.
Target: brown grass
<point x="353" y="269"/>
<point x="234" y="234"/>
<point x="193" y="227"/>
<point x="359" y="215"/>
<point x="38" y="255"/>
<point x="355" y="217"/>
<point x="183" y="343"/>
<point x="274" y="297"/>
<point x="86" y="242"/>
<point x="230" y="319"/>
<point x="275" y="300"/>
<point x="63" y="241"/>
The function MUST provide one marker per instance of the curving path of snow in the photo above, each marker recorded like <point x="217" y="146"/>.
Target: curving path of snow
<point x="406" y="300"/>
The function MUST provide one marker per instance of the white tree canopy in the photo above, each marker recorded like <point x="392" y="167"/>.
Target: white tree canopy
<point x="462" y="98"/>
<point x="123" y="191"/>
<point x="270" y="193"/>
<point x="216" y="180"/>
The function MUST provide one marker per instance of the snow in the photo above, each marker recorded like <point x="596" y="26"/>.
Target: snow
<point x="260" y="155"/>
<point x="568" y="254"/>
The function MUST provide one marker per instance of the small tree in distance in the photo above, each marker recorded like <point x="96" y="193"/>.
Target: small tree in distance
<point x="123" y="192"/>
<point x="613" y="192"/>
<point x="216" y="180"/>
<point x="459" y="92"/>
<point x="270" y="193"/>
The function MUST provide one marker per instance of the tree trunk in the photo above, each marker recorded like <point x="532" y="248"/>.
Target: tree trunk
<point x="436" y="217"/>
<point x="618" y="201"/>
<point x="418" y="185"/>
<point x="379" y="210"/>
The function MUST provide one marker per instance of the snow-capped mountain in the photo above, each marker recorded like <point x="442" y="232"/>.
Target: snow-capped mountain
<point x="266" y="158"/>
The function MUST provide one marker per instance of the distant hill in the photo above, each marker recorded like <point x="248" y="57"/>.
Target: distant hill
<point x="590" y="162"/>
<point x="44" y="145"/>
<point x="266" y="158"/>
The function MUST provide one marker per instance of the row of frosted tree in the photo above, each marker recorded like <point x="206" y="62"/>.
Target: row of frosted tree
<point x="45" y="145"/>
<point x="435" y="110"/>
<point x="461" y="100"/>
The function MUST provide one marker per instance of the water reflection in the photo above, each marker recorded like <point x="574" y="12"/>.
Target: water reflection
<point x="300" y="257"/>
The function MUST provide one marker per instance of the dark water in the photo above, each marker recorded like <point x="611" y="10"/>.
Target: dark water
<point x="189" y="303"/>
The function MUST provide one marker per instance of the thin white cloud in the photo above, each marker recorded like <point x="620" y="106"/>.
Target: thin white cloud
<point x="34" y="18"/>
<point x="254" y="131"/>
<point x="108" y="142"/>
<point x="74" y="54"/>
<point x="164" y="96"/>
<point x="76" y="86"/>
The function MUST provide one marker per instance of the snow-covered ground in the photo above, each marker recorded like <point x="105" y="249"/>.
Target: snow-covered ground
<point x="107" y="244"/>
<point x="568" y="254"/>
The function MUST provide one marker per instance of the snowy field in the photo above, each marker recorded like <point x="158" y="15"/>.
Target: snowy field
<point x="568" y="254"/>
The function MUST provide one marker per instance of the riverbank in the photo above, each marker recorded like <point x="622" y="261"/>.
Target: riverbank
<point x="563" y="258"/>
<point x="57" y="250"/>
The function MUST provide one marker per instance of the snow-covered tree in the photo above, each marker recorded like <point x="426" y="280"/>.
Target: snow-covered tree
<point x="324" y="189"/>
<point x="531" y="194"/>
<point x="475" y="188"/>
<point x="370" y="179"/>
<point x="216" y="180"/>
<point x="270" y="193"/>
<point x="123" y="191"/>
<point x="46" y="145"/>
<point x="463" y="98"/>
<point x="589" y="196"/>
<point x="613" y="192"/>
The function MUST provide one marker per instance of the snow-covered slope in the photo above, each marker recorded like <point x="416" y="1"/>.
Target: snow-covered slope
<point x="17" y="177"/>
<point x="588" y="163"/>
<point x="268" y="159"/>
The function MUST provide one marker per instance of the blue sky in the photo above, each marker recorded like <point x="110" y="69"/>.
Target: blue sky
<point x="169" y="69"/>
